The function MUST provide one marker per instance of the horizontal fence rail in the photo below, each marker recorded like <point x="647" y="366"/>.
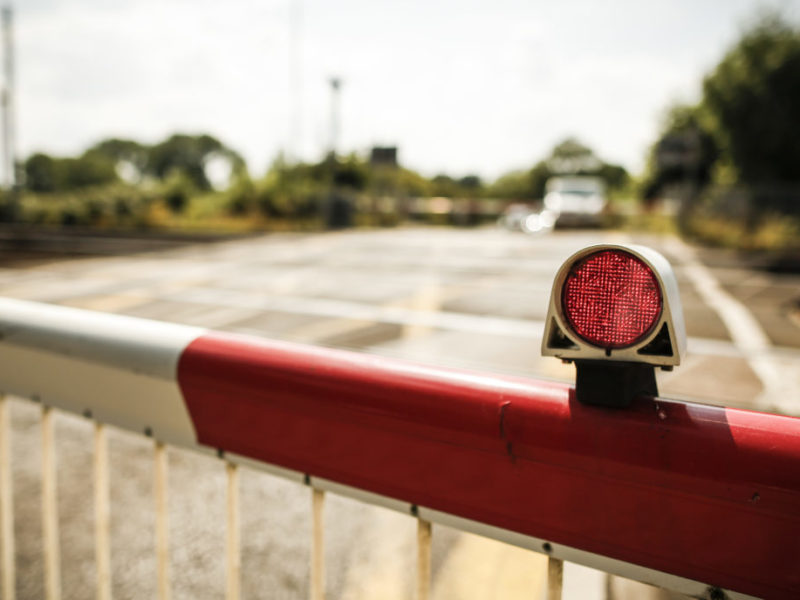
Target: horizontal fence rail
<point x="698" y="499"/>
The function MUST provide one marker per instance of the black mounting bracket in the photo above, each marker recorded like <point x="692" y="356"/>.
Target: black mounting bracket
<point x="613" y="383"/>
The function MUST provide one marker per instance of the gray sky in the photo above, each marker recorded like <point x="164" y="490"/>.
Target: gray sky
<point x="461" y="86"/>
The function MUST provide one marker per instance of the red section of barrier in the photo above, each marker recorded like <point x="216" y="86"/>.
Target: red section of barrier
<point x="706" y="493"/>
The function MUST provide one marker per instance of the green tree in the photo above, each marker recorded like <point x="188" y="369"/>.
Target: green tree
<point x="41" y="173"/>
<point x="615" y="176"/>
<point x="569" y="157"/>
<point x="538" y="177"/>
<point x="47" y="174"/>
<point x="293" y="190"/>
<point x="350" y="172"/>
<point x="471" y="185"/>
<point x="241" y="196"/>
<point x="92" y="168"/>
<point x="123" y="151"/>
<point x="444" y="185"/>
<point x="514" y="185"/>
<point x="390" y="180"/>
<point x="684" y="154"/>
<point x="753" y="96"/>
<point x="411" y="183"/>
<point x="188" y="154"/>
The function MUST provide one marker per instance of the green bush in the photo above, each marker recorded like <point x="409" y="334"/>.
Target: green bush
<point x="241" y="198"/>
<point x="178" y="191"/>
<point x="116" y="205"/>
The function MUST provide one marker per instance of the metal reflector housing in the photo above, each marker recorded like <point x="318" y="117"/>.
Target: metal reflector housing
<point x="611" y="299"/>
<point x="615" y="302"/>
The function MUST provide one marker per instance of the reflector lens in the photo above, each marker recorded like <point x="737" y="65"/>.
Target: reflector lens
<point x="611" y="299"/>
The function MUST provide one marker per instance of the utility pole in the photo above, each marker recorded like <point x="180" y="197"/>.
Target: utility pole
<point x="9" y="151"/>
<point x="337" y="212"/>
<point x="295" y="145"/>
<point x="336" y="85"/>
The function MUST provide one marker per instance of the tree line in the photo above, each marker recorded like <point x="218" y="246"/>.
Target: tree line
<point x="743" y="131"/>
<point x="113" y="160"/>
<point x="741" y="134"/>
<point x="188" y="156"/>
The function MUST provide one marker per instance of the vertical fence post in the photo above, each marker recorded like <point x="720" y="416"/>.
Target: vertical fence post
<point x="102" y="513"/>
<point x="555" y="578"/>
<point x="52" y="554"/>
<point x="234" y="566"/>
<point x="423" y="559"/>
<point x="317" y="545"/>
<point x="162" y="521"/>
<point x="6" y="504"/>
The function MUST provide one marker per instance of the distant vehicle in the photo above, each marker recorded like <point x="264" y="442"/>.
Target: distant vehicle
<point x="513" y="217"/>
<point x="527" y="218"/>
<point x="576" y="200"/>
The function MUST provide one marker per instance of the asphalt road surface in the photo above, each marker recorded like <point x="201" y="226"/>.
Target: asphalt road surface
<point x="466" y="298"/>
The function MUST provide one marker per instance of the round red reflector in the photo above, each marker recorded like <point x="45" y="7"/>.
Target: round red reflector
<point x="611" y="299"/>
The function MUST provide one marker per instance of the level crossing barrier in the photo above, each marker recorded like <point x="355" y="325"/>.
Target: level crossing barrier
<point x="697" y="499"/>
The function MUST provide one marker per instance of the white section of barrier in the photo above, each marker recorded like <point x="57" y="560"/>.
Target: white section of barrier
<point x="140" y="346"/>
<point x="63" y="357"/>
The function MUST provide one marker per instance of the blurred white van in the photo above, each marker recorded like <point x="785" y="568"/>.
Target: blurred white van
<point x="576" y="200"/>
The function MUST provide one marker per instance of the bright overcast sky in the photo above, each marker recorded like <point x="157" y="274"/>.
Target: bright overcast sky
<point x="461" y="86"/>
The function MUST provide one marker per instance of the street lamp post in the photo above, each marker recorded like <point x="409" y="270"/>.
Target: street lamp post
<point x="336" y="85"/>
<point x="9" y="158"/>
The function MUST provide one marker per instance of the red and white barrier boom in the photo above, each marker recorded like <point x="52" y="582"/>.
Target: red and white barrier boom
<point x="700" y="499"/>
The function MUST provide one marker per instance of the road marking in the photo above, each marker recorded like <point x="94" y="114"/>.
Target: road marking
<point x="110" y="302"/>
<point x="427" y="319"/>
<point x="359" y="311"/>
<point x="747" y="334"/>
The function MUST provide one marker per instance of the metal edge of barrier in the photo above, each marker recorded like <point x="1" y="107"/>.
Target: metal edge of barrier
<point x="668" y="493"/>
<point x="609" y="565"/>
